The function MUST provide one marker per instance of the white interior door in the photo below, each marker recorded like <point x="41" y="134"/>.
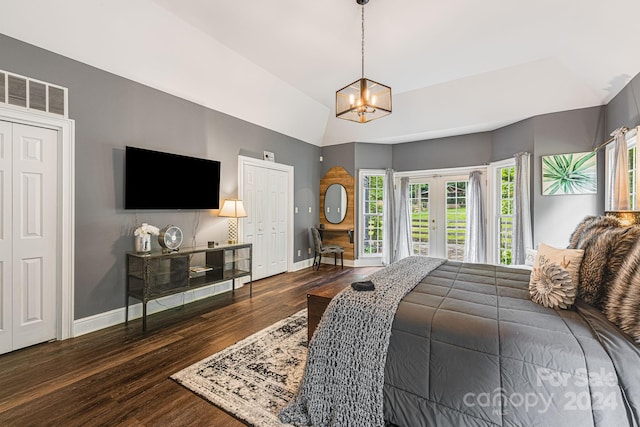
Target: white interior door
<point x="6" y="239"/>
<point x="277" y="205"/>
<point x="254" y="224"/>
<point x="29" y="268"/>
<point x="265" y="191"/>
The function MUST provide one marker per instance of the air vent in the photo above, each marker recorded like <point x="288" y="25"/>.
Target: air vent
<point x="23" y="92"/>
<point x="17" y="91"/>
<point x="57" y="97"/>
<point x="38" y="96"/>
<point x="3" y="88"/>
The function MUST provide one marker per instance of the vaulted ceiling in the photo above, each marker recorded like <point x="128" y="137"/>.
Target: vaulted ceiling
<point x="455" y="67"/>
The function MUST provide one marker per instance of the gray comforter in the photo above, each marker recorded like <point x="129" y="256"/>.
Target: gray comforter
<point x="469" y="348"/>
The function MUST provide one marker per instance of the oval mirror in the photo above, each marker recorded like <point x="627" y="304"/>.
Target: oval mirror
<point x="335" y="203"/>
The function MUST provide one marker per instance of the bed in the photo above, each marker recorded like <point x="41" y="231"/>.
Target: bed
<point x="466" y="345"/>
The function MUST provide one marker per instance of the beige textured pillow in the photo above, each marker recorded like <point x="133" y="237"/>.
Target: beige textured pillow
<point x="554" y="279"/>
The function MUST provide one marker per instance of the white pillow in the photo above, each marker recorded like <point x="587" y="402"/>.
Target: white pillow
<point x="530" y="256"/>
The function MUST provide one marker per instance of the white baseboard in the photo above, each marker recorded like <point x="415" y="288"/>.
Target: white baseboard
<point x="117" y="316"/>
<point x="301" y="265"/>
<point x="347" y="262"/>
<point x="369" y="262"/>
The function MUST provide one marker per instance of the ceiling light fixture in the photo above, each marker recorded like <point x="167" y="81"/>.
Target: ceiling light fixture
<point x="363" y="100"/>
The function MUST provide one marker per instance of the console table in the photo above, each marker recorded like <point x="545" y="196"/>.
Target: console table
<point x="160" y="273"/>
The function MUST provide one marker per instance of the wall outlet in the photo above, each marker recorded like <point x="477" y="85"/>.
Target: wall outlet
<point x="309" y="209"/>
<point x="296" y="210"/>
<point x="299" y="253"/>
<point x="309" y="251"/>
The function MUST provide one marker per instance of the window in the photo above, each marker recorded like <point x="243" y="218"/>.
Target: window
<point x="633" y="171"/>
<point x="500" y="211"/>
<point x="506" y="187"/>
<point x="372" y="211"/>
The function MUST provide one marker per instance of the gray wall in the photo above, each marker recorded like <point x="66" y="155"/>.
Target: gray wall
<point x="373" y="156"/>
<point x="512" y="139"/>
<point x="555" y="217"/>
<point x="339" y="155"/>
<point x="111" y="112"/>
<point x="456" y="151"/>
<point x="624" y="108"/>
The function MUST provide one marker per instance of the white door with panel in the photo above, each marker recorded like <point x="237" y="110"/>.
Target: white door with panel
<point x="265" y="195"/>
<point x="28" y="235"/>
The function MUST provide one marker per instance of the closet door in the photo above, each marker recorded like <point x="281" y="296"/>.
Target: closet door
<point x="35" y="219"/>
<point x="266" y="197"/>
<point x="277" y="222"/>
<point x="6" y="256"/>
<point x="255" y="224"/>
<point x="29" y="235"/>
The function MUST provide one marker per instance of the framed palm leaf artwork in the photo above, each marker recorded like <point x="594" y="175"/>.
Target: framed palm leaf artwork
<point x="569" y="174"/>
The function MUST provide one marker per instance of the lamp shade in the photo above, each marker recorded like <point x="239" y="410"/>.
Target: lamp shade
<point x="233" y="209"/>
<point x="626" y="217"/>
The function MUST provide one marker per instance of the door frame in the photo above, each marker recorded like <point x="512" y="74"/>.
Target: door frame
<point x="244" y="161"/>
<point x="65" y="260"/>
<point x="445" y="174"/>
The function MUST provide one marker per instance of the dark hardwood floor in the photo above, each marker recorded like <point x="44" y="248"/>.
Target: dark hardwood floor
<point x="119" y="376"/>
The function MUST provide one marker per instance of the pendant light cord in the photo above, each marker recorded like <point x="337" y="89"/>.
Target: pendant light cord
<point x="363" y="41"/>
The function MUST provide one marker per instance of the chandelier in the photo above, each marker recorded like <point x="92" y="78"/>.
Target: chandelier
<point x="363" y="100"/>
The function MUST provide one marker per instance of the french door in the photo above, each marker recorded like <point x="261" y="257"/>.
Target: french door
<point x="439" y="216"/>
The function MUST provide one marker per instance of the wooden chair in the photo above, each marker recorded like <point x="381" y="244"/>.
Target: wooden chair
<point x="321" y="249"/>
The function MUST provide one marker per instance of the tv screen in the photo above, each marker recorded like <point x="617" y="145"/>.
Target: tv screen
<point x="157" y="180"/>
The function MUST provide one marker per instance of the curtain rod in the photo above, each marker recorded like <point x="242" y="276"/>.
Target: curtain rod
<point x="625" y="130"/>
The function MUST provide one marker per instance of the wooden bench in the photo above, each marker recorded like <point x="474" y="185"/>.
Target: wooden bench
<point x="317" y="302"/>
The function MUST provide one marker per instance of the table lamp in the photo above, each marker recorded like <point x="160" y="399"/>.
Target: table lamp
<point x="233" y="209"/>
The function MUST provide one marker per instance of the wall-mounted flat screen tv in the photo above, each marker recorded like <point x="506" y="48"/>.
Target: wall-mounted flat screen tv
<point x="158" y="180"/>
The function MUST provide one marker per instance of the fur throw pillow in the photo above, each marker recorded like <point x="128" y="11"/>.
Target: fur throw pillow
<point x="589" y="227"/>
<point x="622" y="305"/>
<point x="604" y="253"/>
<point x="605" y="243"/>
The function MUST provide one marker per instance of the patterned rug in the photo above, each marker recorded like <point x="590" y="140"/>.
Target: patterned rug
<point x="254" y="378"/>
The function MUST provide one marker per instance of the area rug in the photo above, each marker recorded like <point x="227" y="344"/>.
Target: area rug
<point x="256" y="377"/>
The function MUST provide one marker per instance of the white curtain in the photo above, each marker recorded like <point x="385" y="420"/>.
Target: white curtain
<point x="475" y="247"/>
<point x="522" y="236"/>
<point x="619" y="182"/>
<point x="403" y="243"/>
<point x="388" y="219"/>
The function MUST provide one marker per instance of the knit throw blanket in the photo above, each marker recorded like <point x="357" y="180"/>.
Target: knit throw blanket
<point x="344" y="377"/>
